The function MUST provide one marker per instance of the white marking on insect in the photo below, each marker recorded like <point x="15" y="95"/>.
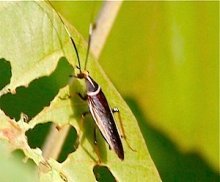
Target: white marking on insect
<point x="90" y="80"/>
<point x="95" y="92"/>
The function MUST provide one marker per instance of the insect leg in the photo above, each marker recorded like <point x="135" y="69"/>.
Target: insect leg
<point x="81" y="138"/>
<point x="114" y="110"/>
<point x="96" y="146"/>
<point x="83" y="97"/>
<point x="74" y="76"/>
<point x="81" y="123"/>
<point x="67" y="96"/>
<point x="82" y="118"/>
<point x="95" y="138"/>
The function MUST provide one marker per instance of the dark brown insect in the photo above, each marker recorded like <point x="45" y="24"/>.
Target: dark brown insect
<point x="102" y="114"/>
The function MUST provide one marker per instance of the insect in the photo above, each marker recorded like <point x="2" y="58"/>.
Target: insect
<point x="97" y="102"/>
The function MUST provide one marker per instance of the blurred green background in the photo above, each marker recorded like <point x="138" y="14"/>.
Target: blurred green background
<point x="163" y="59"/>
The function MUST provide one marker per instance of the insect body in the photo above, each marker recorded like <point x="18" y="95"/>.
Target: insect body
<point x="97" y="102"/>
<point x="102" y="114"/>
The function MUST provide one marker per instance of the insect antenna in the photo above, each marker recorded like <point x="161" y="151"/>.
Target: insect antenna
<point x="91" y="27"/>
<point x="71" y="38"/>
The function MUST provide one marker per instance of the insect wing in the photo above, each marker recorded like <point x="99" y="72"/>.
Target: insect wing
<point x="103" y="117"/>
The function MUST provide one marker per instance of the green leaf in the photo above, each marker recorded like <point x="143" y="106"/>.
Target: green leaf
<point x="13" y="165"/>
<point x="33" y="41"/>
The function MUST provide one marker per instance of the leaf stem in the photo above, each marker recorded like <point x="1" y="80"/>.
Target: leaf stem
<point x="54" y="141"/>
<point x="104" y="24"/>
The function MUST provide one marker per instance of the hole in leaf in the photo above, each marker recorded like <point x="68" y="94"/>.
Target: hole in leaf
<point x="5" y="72"/>
<point x="102" y="173"/>
<point x="39" y="93"/>
<point x="38" y="134"/>
<point x="70" y="145"/>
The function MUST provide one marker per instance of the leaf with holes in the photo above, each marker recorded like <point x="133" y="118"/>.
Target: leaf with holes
<point x="34" y="42"/>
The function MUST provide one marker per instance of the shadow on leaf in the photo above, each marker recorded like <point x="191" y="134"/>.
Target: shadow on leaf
<point x="38" y="94"/>
<point x="172" y="164"/>
<point x="5" y="72"/>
